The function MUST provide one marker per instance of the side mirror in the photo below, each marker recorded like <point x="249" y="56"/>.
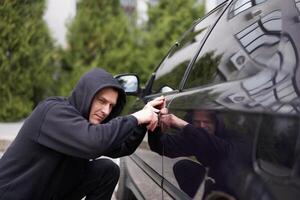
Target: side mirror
<point x="129" y="82"/>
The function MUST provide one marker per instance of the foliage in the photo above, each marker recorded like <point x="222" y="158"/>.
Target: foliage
<point x="204" y="70"/>
<point x="167" y="22"/>
<point x="100" y="36"/>
<point x="25" y="57"/>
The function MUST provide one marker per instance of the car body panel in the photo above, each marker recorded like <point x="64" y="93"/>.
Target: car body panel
<point x="245" y="71"/>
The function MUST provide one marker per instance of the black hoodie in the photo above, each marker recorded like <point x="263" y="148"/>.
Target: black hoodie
<point x="225" y="153"/>
<point x="57" y="141"/>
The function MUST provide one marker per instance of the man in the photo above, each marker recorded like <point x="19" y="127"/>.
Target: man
<point x="205" y="137"/>
<point x="54" y="154"/>
<point x="200" y="119"/>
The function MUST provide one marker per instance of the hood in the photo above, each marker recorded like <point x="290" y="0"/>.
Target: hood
<point x="220" y="129"/>
<point x="87" y="87"/>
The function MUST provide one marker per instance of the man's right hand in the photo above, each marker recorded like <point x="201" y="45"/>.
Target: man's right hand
<point x="149" y="114"/>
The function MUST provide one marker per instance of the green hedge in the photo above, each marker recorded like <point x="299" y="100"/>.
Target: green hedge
<point x="25" y="58"/>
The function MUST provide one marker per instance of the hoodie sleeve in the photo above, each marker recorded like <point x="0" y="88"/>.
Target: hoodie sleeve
<point x="65" y="130"/>
<point x="189" y="141"/>
<point x="130" y="144"/>
<point x="172" y="146"/>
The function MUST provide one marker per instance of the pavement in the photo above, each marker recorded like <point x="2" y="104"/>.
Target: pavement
<point x="8" y="132"/>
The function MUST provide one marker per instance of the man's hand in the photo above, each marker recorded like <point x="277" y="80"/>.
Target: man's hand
<point x="169" y="120"/>
<point x="149" y="114"/>
<point x="158" y="103"/>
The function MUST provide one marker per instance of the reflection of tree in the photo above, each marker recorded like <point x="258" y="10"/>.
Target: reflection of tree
<point x="188" y="39"/>
<point x="122" y="81"/>
<point x="204" y="70"/>
<point x="171" y="79"/>
<point x="277" y="139"/>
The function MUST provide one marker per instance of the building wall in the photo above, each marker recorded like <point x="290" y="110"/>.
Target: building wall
<point x="211" y="4"/>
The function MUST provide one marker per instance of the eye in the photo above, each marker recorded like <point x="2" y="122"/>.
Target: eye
<point x="101" y="101"/>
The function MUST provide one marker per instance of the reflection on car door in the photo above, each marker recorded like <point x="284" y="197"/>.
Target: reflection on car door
<point x="168" y="78"/>
<point x="192" y="41"/>
<point x="252" y="55"/>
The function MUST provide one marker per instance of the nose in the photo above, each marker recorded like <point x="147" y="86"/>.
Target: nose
<point x="202" y="125"/>
<point x="106" y="109"/>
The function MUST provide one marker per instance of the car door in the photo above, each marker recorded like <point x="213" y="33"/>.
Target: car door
<point x="276" y="157"/>
<point x="247" y="66"/>
<point x="166" y="81"/>
<point x="169" y="75"/>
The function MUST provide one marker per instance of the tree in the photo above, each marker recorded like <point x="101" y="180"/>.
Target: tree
<point x="25" y="57"/>
<point x="99" y="36"/>
<point x="168" y="20"/>
<point x="102" y="35"/>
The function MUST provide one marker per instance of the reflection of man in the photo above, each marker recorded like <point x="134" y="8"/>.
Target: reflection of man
<point x="54" y="154"/>
<point x="206" y="138"/>
<point x="201" y="119"/>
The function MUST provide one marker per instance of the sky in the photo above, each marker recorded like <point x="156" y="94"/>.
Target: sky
<point x="57" y="14"/>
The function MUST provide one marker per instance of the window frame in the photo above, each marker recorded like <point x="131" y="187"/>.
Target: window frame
<point x="222" y="7"/>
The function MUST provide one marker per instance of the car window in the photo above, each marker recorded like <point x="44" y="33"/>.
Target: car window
<point x="171" y="71"/>
<point x="205" y="69"/>
<point x="241" y="47"/>
<point x="277" y="137"/>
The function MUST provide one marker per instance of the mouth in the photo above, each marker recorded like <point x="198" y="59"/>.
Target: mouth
<point x="99" y="117"/>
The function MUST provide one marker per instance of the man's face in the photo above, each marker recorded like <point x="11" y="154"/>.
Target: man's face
<point x="102" y="105"/>
<point x="203" y="119"/>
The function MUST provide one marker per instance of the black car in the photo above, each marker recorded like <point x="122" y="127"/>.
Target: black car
<point x="239" y="67"/>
